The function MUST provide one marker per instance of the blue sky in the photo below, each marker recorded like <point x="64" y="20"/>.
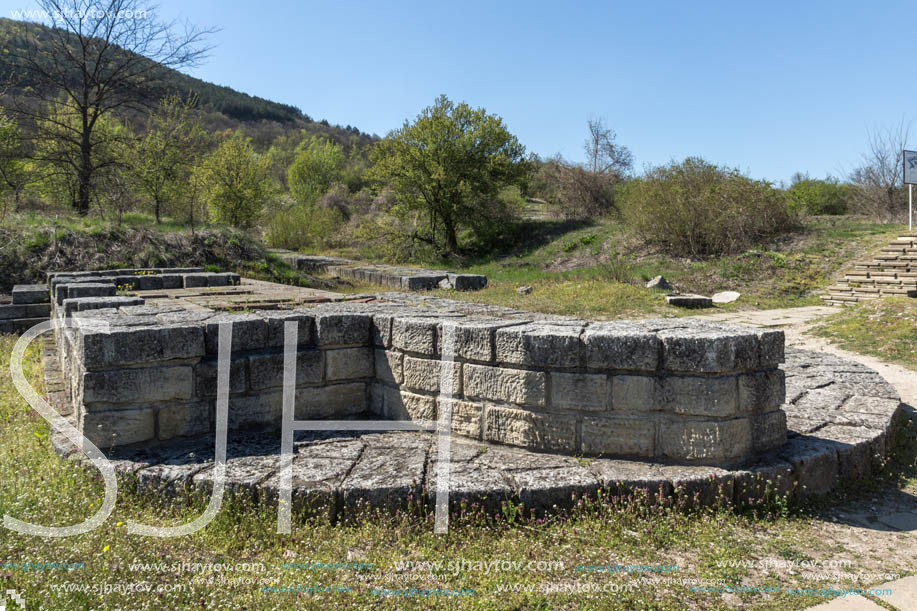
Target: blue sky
<point x="769" y="87"/>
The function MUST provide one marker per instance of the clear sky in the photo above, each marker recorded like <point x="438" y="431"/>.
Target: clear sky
<point x="769" y="87"/>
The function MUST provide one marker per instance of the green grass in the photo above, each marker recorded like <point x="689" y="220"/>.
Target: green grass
<point x="38" y="486"/>
<point x="886" y="328"/>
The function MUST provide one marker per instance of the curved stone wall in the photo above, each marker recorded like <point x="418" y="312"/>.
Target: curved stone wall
<point x="676" y="389"/>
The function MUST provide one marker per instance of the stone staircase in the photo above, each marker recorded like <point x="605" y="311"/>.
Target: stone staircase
<point x="892" y="272"/>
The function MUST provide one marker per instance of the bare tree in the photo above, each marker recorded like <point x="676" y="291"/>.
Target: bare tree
<point x="95" y="57"/>
<point x="603" y="154"/>
<point x="878" y="184"/>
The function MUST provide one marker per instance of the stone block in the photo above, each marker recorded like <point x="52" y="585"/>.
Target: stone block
<point x="149" y="283"/>
<point x="138" y="385"/>
<point x="814" y="464"/>
<point x="467" y="282"/>
<point x="771" y="350"/>
<point x="467" y="417"/>
<point x="403" y="405"/>
<point x="173" y="281"/>
<point x="711" y="350"/>
<point x="636" y="393"/>
<point x="276" y="323"/>
<point x="474" y="338"/>
<point x="706" y="441"/>
<point x="381" y="330"/>
<point x="416" y="335"/>
<point x="579" y="391"/>
<point x="249" y="332"/>
<point x="90" y="289"/>
<point x="261" y="409"/>
<point x="618" y="436"/>
<point x="700" y="395"/>
<point x="505" y="385"/>
<point x="516" y="427"/>
<point x="24" y="294"/>
<point x="768" y="430"/>
<point x="348" y="364"/>
<point x="334" y="401"/>
<point x="205" y="376"/>
<point x="98" y="350"/>
<point x="184" y="420"/>
<point x="196" y="280"/>
<point x="762" y="391"/>
<point x="342" y="329"/>
<point x="118" y="428"/>
<point x="539" y="345"/>
<point x="389" y="366"/>
<point x="265" y="369"/>
<point x="17" y="311"/>
<point x="218" y="279"/>
<point x="425" y="374"/>
<point x="621" y="347"/>
<point x="767" y="480"/>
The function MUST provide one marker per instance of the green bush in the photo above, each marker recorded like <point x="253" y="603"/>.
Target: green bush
<point x="819" y="196"/>
<point x="302" y="226"/>
<point x="697" y="208"/>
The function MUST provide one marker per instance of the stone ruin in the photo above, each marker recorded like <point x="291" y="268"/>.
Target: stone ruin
<point x="541" y="405"/>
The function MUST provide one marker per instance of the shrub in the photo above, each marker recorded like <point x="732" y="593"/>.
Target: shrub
<point x="819" y="196"/>
<point x="697" y="208"/>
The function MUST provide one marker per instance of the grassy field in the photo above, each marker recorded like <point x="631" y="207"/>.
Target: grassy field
<point x="37" y="486"/>
<point x="886" y="328"/>
<point x="599" y="270"/>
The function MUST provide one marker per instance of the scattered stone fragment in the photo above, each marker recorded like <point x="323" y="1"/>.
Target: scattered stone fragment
<point x="659" y="282"/>
<point x="689" y="301"/>
<point x="524" y="290"/>
<point x="726" y="297"/>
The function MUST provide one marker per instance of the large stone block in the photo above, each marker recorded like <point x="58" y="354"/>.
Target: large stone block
<point x="516" y="427"/>
<point x="580" y="391"/>
<point x="403" y="405"/>
<point x="172" y="281"/>
<point x="205" y="376"/>
<point x="771" y="350"/>
<point x="196" y="280"/>
<point x="249" y="332"/>
<point x="348" y="364"/>
<point x="620" y="346"/>
<point x="261" y="409"/>
<point x="90" y="289"/>
<point x="276" y="323"/>
<point x="700" y="395"/>
<point x="467" y="417"/>
<point x="389" y="366"/>
<point x="814" y="462"/>
<point x="138" y="385"/>
<point x="467" y="282"/>
<point x="426" y="374"/>
<point x="266" y="369"/>
<point x="417" y="335"/>
<point x="505" y="385"/>
<point x="184" y="420"/>
<point x="706" y="441"/>
<point x="474" y="338"/>
<point x="617" y="436"/>
<point x="768" y="430"/>
<point x="636" y="393"/>
<point x="539" y="345"/>
<point x="16" y="311"/>
<point x="98" y="350"/>
<point x="342" y="329"/>
<point x="149" y="283"/>
<point x="334" y="401"/>
<point x="762" y="391"/>
<point x="118" y="428"/>
<point x="709" y="350"/>
<point x="24" y="294"/>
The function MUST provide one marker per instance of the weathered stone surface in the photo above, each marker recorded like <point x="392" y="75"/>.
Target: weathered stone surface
<point x="172" y="281"/>
<point x="706" y="441"/>
<point x="695" y="486"/>
<point x="348" y="364"/>
<point x="688" y="300"/>
<point x="371" y="480"/>
<point x="249" y="332"/>
<point x="768" y="430"/>
<point x="263" y="409"/>
<point x="276" y="322"/>
<point x="764" y="481"/>
<point x="149" y="283"/>
<point x="474" y="338"/>
<point x="266" y="369"/>
<point x="417" y="335"/>
<point x="118" y="428"/>
<point x="336" y="401"/>
<point x="342" y="329"/>
<point x="858" y="449"/>
<point x="507" y="385"/>
<point x="539" y="345"/>
<point x="184" y="420"/>
<point x="137" y="385"/>
<point x="814" y="462"/>
<point x="660" y="283"/>
<point x="761" y="391"/>
<point x="709" y="350"/>
<point x="620" y="346"/>
<point x="701" y="395"/>
<point x="467" y="417"/>
<point x="403" y="405"/>
<point x="619" y="436"/>
<point x="467" y="282"/>
<point x="725" y="297"/>
<point x="196" y="280"/>
<point x="636" y="393"/>
<point x="90" y="289"/>
<point x="389" y="366"/>
<point x="771" y="351"/>
<point x="17" y="311"/>
<point x="623" y="477"/>
<point x="98" y="350"/>
<point x="580" y="391"/>
<point x="24" y="294"/>
<point x="549" y="488"/>
<point x="530" y="430"/>
<point x="426" y="374"/>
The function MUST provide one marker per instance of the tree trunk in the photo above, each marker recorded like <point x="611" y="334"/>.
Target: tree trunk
<point x="156" y="209"/>
<point x="85" y="170"/>
<point x="451" y="239"/>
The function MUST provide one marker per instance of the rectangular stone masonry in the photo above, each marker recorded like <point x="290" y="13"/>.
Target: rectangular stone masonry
<point x="620" y="347"/>
<point x="539" y="345"/>
<point x="334" y="401"/>
<point x="579" y="391"/>
<point x="619" y="436"/>
<point x="348" y="364"/>
<point x="709" y="351"/>
<point x="474" y="339"/>
<point x="137" y="385"/>
<point x="762" y="391"/>
<point x="264" y="409"/>
<point x="700" y="395"/>
<point x="249" y="332"/>
<point x="425" y="374"/>
<point x="99" y="350"/>
<point x="527" y="429"/>
<point x="24" y="294"/>
<point x="118" y="428"/>
<point x="342" y="329"/>
<point x="504" y="385"/>
<point x="417" y="335"/>
<point x="276" y="324"/>
<point x="636" y="393"/>
<point x="90" y="289"/>
<point x="184" y="420"/>
<point x="467" y="417"/>
<point x="205" y="376"/>
<point x="403" y="405"/>
<point x="16" y="311"/>
<point x="389" y="366"/>
<point x="265" y="369"/>
<point x="714" y="441"/>
<point x="768" y="430"/>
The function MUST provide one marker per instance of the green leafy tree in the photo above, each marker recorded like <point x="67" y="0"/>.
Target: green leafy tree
<point x="166" y="154"/>
<point x="450" y="164"/>
<point x="13" y="169"/>
<point x="235" y="182"/>
<point x="814" y="196"/>
<point x="318" y="165"/>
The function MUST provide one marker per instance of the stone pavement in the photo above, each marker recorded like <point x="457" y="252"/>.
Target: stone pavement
<point x="891" y="514"/>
